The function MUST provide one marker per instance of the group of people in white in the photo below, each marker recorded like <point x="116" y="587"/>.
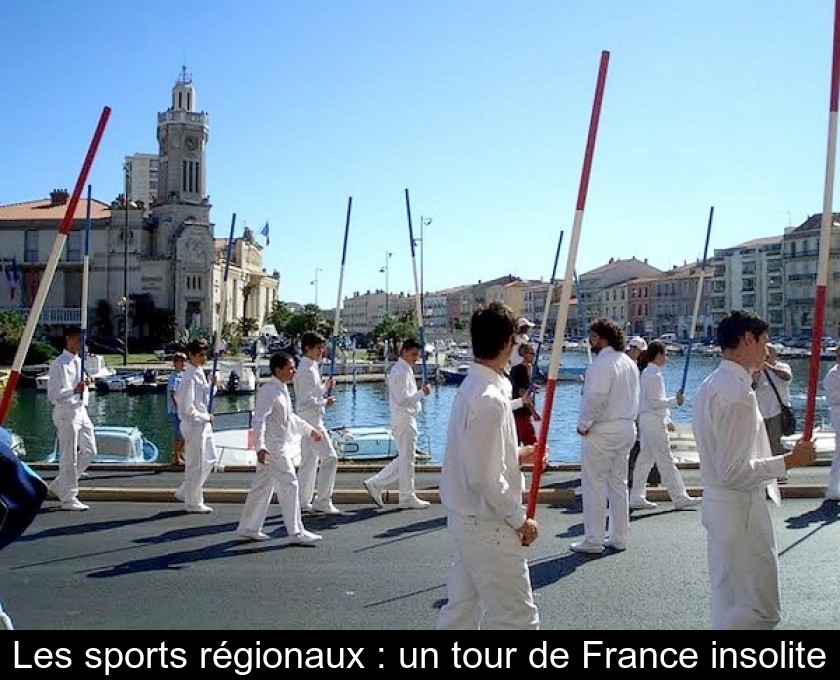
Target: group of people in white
<point x="482" y="483"/>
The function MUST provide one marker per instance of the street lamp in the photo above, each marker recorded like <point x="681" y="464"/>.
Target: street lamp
<point x="385" y="270"/>
<point x="127" y="169"/>
<point x="314" y="282"/>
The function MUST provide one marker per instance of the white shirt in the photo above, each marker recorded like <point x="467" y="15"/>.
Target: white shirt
<point x="610" y="389"/>
<point x="403" y="395"/>
<point x="480" y="476"/>
<point x="274" y="421"/>
<point x="518" y="339"/>
<point x="768" y="404"/>
<point x="193" y="396"/>
<point x="309" y="390"/>
<point x="831" y="385"/>
<point x="65" y="373"/>
<point x="652" y="396"/>
<point x="731" y="438"/>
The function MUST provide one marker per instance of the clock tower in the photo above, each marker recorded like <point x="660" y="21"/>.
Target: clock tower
<point x="180" y="220"/>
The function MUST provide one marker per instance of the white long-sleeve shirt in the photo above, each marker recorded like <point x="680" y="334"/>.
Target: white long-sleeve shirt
<point x="193" y="395"/>
<point x="652" y="395"/>
<point x="403" y="396"/>
<point x="65" y="373"/>
<point x="274" y="423"/>
<point x="610" y="390"/>
<point x="831" y="386"/>
<point x="310" y="391"/>
<point x="480" y="476"/>
<point x="729" y="430"/>
<point x="768" y="403"/>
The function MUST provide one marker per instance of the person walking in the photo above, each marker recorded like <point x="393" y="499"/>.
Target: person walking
<point x="193" y="397"/>
<point x="831" y="386"/>
<point x="178" y="361"/>
<point x="275" y="427"/>
<point x="737" y="470"/>
<point x="318" y="460"/>
<point x="404" y="400"/>
<point x="488" y="585"/>
<point x="772" y="389"/>
<point x="67" y="390"/>
<point x="607" y="423"/>
<point x="524" y="412"/>
<point x="654" y="425"/>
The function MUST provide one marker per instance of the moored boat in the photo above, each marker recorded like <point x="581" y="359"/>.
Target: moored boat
<point x="118" y="444"/>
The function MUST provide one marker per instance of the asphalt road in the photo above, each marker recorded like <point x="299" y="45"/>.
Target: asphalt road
<point x="149" y="566"/>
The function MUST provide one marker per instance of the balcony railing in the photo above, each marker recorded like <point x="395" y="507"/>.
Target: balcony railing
<point x="57" y="316"/>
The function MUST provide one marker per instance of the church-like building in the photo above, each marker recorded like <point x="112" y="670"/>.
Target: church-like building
<point x="162" y="259"/>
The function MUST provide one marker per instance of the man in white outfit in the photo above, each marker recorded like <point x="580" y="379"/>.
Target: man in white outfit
<point x="607" y="423"/>
<point x="481" y="489"/>
<point x="275" y="428"/>
<point x="831" y="385"/>
<point x="67" y="390"/>
<point x="404" y="401"/>
<point x="318" y="460"/>
<point x="654" y="425"/>
<point x="773" y="374"/>
<point x="737" y="471"/>
<point x="193" y="398"/>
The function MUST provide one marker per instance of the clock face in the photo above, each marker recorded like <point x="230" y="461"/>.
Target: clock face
<point x="191" y="143"/>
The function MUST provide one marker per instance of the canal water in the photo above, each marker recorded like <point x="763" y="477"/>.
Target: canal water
<point x="366" y="404"/>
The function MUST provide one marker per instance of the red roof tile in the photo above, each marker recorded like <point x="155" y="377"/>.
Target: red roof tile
<point x="42" y="209"/>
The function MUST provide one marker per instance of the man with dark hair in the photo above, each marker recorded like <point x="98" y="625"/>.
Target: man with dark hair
<point x="318" y="459"/>
<point x="481" y="488"/>
<point x="275" y="427"/>
<point x="404" y="401"/>
<point x="736" y="465"/>
<point x="607" y="423"/>
<point x="193" y="399"/>
<point x="67" y="390"/>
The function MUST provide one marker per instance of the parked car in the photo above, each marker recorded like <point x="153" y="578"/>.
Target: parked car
<point x="168" y="351"/>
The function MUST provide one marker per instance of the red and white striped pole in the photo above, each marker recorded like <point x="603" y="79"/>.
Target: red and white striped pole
<point x="825" y="237"/>
<point x="566" y="290"/>
<point x="49" y="270"/>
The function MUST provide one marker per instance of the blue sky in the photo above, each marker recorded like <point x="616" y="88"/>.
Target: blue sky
<point x="479" y="107"/>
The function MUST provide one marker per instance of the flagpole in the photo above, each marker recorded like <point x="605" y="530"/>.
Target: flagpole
<point x="52" y="264"/>
<point x="222" y="313"/>
<point x="697" y="296"/>
<point x="85" y="282"/>
<point x="418" y="302"/>
<point x="825" y="236"/>
<point x="566" y="291"/>
<point x="337" y="317"/>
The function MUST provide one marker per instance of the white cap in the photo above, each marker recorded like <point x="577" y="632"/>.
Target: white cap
<point x="523" y="321"/>
<point x="638" y="342"/>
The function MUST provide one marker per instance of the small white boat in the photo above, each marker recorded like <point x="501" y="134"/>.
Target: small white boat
<point x="235" y="377"/>
<point x="117" y="444"/>
<point x="119" y="382"/>
<point x="454" y="375"/>
<point x="94" y="366"/>
<point x="367" y="443"/>
<point x="13" y="441"/>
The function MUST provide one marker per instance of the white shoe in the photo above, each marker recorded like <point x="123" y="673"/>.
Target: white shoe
<point x="325" y="508"/>
<point x="618" y="546"/>
<point x="178" y="495"/>
<point x="374" y="491"/>
<point x="74" y="504"/>
<point x="586" y="548"/>
<point x="252" y="535"/>
<point x="305" y="538"/>
<point x="306" y="507"/>
<point x="414" y="503"/>
<point x="687" y="502"/>
<point x="642" y="504"/>
<point x="201" y="509"/>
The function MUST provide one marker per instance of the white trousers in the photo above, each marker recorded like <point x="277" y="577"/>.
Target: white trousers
<point x="401" y="468"/>
<point x="603" y="480"/>
<point x="318" y="466"/>
<point x="277" y="474"/>
<point x="654" y="447"/>
<point x="489" y="585"/>
<point x="832" y="490"/>
<point x="199" y="459"/>
<point x="743" y="567"/>
<point x="76" y="448"/>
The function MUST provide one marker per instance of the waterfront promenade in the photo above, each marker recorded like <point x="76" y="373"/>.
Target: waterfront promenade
<point x="136" y="561"/>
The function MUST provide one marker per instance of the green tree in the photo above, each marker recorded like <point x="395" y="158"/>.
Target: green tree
<point x="393" y="330"/>
<point x="246" y="326"/>
<point x="280" y="316"/>
<point x="308" y="319"/>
